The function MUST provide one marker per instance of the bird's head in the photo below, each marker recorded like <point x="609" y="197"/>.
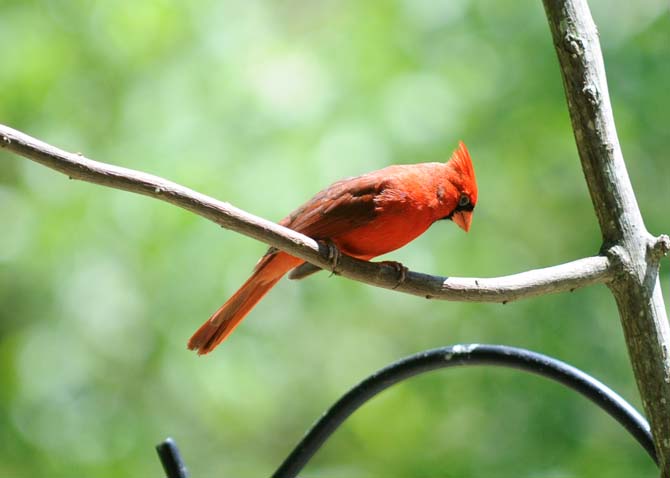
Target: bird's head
<point x="461" y="175"/>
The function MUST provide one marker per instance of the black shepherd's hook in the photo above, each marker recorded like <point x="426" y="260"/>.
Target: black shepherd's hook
<point x="445" y="357"/>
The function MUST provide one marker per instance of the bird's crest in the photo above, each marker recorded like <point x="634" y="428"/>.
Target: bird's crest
<point x="461" y="162"/>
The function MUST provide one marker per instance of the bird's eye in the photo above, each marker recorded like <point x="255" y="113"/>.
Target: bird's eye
<point x="464" y="200"/>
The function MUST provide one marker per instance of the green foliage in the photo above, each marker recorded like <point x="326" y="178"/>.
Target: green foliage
<point x="262" y="104"/>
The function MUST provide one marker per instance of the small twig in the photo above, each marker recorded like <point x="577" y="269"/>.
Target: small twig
<point x="561" y="278"/>
<point x="659" y="248"/>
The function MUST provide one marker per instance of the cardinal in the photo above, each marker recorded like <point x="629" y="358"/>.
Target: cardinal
<point x="364" y="217"/>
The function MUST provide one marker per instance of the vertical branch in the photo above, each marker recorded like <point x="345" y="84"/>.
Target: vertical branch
<point x="626" y="240"/>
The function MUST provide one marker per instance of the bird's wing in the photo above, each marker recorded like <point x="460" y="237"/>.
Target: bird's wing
<point x="342" y="207"/>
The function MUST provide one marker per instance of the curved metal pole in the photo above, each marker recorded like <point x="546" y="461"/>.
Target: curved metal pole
<point x="457" y="355"/>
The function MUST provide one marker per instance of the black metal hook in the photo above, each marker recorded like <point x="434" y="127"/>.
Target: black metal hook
<point x="466" y="354"/>
<point x="434" y="359"/>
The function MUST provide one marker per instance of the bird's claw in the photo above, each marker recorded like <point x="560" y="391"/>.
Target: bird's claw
<point x="333" y="256"/>
<point x="400" y="269"/>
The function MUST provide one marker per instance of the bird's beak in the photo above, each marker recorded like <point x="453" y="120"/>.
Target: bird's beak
<point x="463" y="219"/>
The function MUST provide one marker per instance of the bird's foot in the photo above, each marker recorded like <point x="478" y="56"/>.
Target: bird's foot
<point x="400" y="269"/>
<point x="333" y="254"/>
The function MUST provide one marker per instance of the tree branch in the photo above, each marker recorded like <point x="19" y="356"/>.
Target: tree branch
<point x="561" y="278"/>
<point x="634" y="252"/>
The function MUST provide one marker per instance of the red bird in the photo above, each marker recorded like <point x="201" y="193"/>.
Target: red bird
<point x="365" y="217"/>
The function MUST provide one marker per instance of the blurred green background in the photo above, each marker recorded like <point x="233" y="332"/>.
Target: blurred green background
<point x="263" y="103"/>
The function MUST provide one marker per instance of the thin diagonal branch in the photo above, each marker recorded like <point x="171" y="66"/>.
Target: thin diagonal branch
<point x="560" y="278"/>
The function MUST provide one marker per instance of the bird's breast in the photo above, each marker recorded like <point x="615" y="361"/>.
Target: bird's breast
<point x="388" y="231"/>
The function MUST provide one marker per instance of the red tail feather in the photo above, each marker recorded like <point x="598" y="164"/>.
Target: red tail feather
<point x="221" y="324"/>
